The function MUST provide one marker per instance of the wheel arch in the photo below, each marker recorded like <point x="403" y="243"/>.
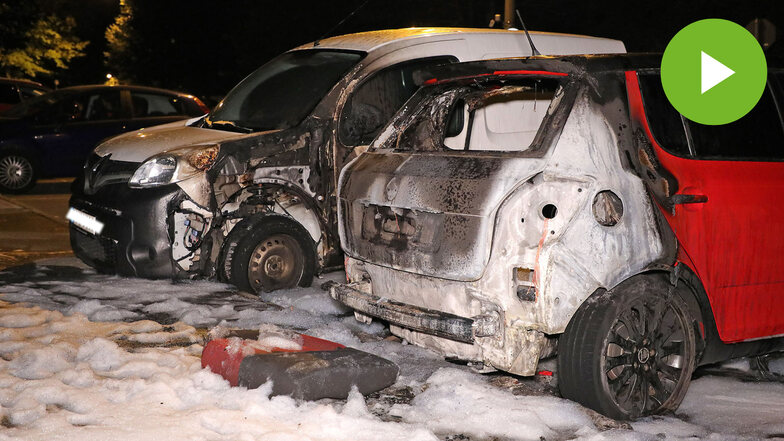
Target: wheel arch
<point x="308" y="202"/>
<point x="710" y="348"/>
<point x="584" y="344"/>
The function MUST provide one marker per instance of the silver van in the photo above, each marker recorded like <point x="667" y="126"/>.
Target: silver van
<point x="247" y="192"/>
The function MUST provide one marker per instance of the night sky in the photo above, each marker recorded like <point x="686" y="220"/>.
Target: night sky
<point x="206" y="46"/>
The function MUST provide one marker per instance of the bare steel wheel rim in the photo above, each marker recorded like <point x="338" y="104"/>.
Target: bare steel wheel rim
<point x="15" y="172"/>
<point x="646" y="356"/>
<point x="276" y="262"/>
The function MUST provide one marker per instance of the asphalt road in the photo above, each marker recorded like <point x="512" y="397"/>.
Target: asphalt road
<point x="33" y="225"/>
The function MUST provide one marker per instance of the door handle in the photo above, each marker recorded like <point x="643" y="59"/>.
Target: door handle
<point x="681" y="199"/>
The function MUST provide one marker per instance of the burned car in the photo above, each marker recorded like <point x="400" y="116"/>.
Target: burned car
<point x="247" y="193"/>
<point x="518" y="209"/>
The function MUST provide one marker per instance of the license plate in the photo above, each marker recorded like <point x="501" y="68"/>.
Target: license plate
<point x="84" y="221"/>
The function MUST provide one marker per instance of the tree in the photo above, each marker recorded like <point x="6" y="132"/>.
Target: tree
<point x="119" y="53"/>
<point x="36" y="42"/>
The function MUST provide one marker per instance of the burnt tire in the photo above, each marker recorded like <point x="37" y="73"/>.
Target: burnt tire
<point x="629" y="352"/>
<point x="271" y="252"/>
<point x="18" y="171"/>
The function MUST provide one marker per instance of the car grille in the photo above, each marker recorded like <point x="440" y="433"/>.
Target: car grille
<point x="102" y="170"/>
<point x="102" y="251"/>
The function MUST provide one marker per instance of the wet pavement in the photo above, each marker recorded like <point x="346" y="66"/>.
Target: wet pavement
<point x="33" y="225"/>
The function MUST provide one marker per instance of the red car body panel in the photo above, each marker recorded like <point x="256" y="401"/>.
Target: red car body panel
<point x="735" y="239"/>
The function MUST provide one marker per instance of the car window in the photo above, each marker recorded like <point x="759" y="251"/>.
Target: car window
<point x="665" y="122"/>
<point x="376" y="100"/>
<point x="492" y="116"/>
<point x="502" y="122"/>
<point x="192" y="107"/>
<point x="280" y="94"/>
<point x="91" y="107"/>
<point x="29" y="92"/>
<point x="8" y="94"/>
<point x="151" y="104"/>
<point x="103" y="106"/>
<point x="45" y="108"/>
<point x="778" y="78"/>
<point x="757" y="136"/>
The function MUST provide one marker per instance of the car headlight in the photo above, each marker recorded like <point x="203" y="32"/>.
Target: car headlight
<point x="154" y="172"/>
<point x="175" y="166"/>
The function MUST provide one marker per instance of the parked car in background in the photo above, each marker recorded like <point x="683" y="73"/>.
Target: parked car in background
<point x="14" y="91"/>
<point x="52" y="135"/>
<point x="247" y="193"/>
<point x="516" y="209"/>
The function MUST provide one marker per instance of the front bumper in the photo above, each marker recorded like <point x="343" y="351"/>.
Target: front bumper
<point x="135" y="238"/>
<point x="441" y="324"/>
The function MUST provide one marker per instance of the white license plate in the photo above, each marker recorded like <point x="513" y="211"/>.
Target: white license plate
<point x="84" y="221"/>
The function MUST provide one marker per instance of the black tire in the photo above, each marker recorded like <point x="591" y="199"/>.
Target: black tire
<point x="18" y="171"/>
<point x="271" y="252"/>
<point x="229" y="246"/>
<point x="629" y="352"/>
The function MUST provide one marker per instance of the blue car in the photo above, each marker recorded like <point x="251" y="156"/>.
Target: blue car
<point x="53" y="134"/>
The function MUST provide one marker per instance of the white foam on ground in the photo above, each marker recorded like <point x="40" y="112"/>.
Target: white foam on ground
<point x="65" y="374"/>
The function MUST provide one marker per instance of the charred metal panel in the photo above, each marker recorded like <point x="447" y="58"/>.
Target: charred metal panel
<point x="571" y="253"/>
<point x="429" y="214"/>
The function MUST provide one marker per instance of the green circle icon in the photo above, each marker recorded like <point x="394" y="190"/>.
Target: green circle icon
<point x="713" y="71"/>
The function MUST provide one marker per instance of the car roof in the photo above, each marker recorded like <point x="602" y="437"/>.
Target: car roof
<point x="373" y="40"/>
<point x="575" y="65"/>
<point x="540" y="65"/>
<point x="35" y="84"/>
<point x="95" y="87"/>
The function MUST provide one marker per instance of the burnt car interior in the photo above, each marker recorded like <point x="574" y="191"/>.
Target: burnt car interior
<point x="495" y="116"/>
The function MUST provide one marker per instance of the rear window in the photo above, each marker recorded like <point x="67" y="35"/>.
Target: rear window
<point x="152" y="104"/>
<point x="497" y="117"/>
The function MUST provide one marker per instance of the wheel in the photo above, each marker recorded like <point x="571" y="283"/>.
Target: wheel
<point x="629" y="352"/>
<point x="17" y="172"/>
<point x="272" y="252"/>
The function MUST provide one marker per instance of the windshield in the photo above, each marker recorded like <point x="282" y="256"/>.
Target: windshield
<point x="280" y="94"/>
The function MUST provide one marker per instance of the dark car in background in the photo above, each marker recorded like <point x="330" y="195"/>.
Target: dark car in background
<point x="14" y="91"/>
<point x="51" y="135"/>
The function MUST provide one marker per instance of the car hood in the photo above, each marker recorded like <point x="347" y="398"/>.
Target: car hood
<point x="139" y="145"/>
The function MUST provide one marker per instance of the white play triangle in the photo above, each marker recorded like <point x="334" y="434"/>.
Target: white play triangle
<point x="712" y="72"/>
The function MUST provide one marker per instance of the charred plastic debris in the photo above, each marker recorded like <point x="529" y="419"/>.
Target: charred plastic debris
<point x="298" y="365"/>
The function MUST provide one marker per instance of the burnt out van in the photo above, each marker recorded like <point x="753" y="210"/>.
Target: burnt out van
<point x="519" y="209"/>
<point x="247" y="192"/>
